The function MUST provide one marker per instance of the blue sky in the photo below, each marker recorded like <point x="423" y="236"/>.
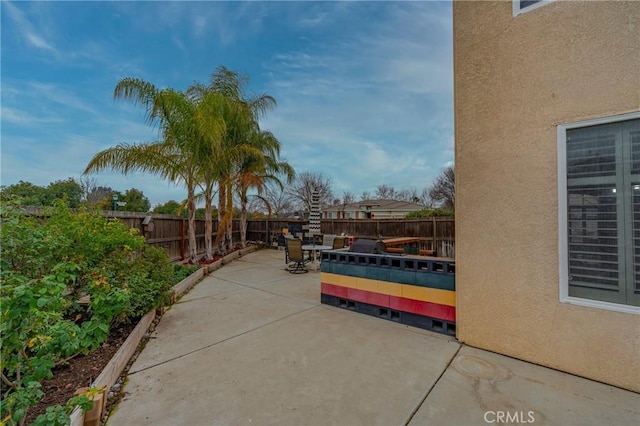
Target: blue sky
<point x="364" y="89"/>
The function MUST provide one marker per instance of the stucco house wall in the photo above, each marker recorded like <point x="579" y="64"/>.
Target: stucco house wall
<point x="516" y="79"/>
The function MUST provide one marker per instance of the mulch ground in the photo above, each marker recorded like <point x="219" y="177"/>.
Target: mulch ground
<point x="79" y="372"/>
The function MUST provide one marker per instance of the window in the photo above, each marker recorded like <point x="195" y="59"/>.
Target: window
<point x="522" y="6"/>
<point x="599" y="212"/>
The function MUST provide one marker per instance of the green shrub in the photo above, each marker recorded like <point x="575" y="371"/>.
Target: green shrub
<point x="46" y="265"/>
<point x="430" y="213"/>
<point x="148" y="279"/>
<point x="180" y="272"/>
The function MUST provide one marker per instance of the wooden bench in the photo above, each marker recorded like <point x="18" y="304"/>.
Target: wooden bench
<point x="395" y="249"/>
<point x="397" y="245"/>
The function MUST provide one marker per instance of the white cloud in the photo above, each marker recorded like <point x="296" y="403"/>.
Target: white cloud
<point x="28" y="32"/>
<point x="16" y="116"/>
<point x="379" y="103"/>
<point x="60" y="95"/>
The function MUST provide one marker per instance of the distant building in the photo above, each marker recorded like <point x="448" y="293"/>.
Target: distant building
<point x="547" y="129"/>
<point x="371" y="209"/>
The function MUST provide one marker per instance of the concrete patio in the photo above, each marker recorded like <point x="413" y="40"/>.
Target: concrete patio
<point x="251" y="344"/>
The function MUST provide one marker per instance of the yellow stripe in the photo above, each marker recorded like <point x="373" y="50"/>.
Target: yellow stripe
<point x="341" y="280"/>
<point x="425" y="294"/>
<point x="377" y="286"/>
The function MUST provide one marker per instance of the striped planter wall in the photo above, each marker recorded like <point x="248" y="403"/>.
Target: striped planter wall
<point x="416" y="291"/>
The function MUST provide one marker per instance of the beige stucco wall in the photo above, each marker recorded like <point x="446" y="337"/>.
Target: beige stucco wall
<point x="516" y="78"/>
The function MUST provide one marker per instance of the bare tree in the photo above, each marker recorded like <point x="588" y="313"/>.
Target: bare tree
<point x="385" y="192"/>
<point x="408" y="195"/>
<point x="305" y="183"/>
<point x="277" y="200"/>
<point x="348" y="197"/>
<point x="366" y="195"/>
<point x="93" y="194"/>
<point x="443" y="190"/>
<point x="257" y="204"/>
<point x="425" y="198"/>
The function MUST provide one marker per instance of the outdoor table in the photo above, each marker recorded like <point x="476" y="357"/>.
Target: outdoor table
<point x="313" y="248"/>
<point x="392" y="244"/>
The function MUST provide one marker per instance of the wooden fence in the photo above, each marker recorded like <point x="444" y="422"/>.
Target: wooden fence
<point x="170" y="232"/>
<point x="436" y="234"/>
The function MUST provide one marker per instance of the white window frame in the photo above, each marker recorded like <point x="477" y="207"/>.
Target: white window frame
<point x="563" y="218"/>
<point x="517" y="10"/>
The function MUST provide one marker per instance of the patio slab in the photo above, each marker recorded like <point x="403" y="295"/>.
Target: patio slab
<point x="481" y="387"/>
<point x="251" y="344"/>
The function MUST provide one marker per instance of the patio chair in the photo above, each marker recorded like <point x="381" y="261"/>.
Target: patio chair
<point x="328" y="239"/>
<point x="287" y="238"/>
<point x="338" y="243"/>
<point x="295" y="256"/>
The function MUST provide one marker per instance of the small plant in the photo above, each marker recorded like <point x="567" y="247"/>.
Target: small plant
<point x="59" y="415"/>
<point x="35" y="337"/>
<point x="180" y="272"/>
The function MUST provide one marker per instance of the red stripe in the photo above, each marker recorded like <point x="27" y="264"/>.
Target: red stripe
<point x="369" y="297"/>
<point x="428" y="309"/>
<point x="334" y="290"/>
<point x="356" y="295"/>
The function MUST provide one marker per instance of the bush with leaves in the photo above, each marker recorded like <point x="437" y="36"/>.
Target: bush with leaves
<point x="66" y="279"/>
<point x="148" y="279"/>
<point x="180" y="272"/>
<point x="429" y="213"/>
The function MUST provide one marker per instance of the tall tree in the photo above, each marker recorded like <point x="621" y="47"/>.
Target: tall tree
<point x="170" y="207"/>
<point x="175" y="156"/>
<point x="93" y="194"/>
<point x="443" y="190"/>
<point x="240" y="115"/>
<point x="277" y="200"/>
<point x="348" y="197"/>
<point x="27" y="193"/>
<point x="255" y="170"/>
<point x="385" y="192"/>
<point x="67" y="189"/>
<point x="135" y="201"/>
<point x="425" y="198"/>
<point x="305" y="183"/>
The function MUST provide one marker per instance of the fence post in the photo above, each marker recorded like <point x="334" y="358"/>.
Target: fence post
<point x="435" y="237"/>
<point x="182" y="240"/>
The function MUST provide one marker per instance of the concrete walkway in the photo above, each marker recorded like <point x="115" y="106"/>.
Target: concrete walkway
<point x="251" y="344"/>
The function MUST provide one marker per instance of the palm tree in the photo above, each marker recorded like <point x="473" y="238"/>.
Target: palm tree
<point x="209" y="107"/>
<point x="176" y="156"/>
<point x="255" y="171"/>
<point x="217" y="159"/>
<point x="240" y="115"/>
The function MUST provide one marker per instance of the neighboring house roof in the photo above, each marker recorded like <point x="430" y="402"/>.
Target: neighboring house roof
<point x="376" y="205"/>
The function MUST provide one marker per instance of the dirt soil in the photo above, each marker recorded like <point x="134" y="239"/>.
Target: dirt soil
<point x="79" y="372"/>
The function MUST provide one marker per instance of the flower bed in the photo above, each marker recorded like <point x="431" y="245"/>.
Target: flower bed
<point x="117" y="364"/>
<point x="67" y="279"/>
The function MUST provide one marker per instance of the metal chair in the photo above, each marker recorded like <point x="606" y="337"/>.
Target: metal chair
<point x="295" y="256"/>
<point x="338" y="243"/>
<point x="328" y="239"/>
